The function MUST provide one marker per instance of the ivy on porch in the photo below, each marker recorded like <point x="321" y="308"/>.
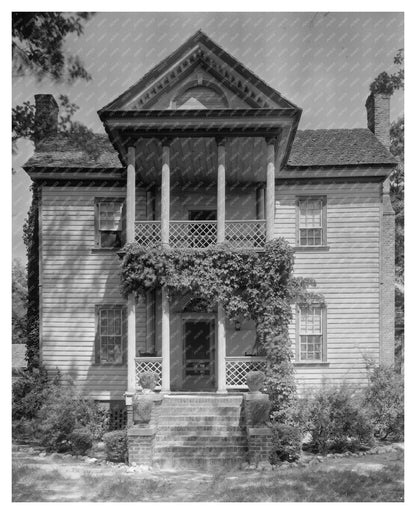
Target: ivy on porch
<point x="253" y="285"/>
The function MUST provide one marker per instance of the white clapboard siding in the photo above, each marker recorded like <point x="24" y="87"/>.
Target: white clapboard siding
<point x="347" y="275"/>
<point x="74" y="280"/>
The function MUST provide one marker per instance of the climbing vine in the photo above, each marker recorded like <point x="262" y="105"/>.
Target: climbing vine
<point x="31" y="240"/>
<point x="251" y="285"/>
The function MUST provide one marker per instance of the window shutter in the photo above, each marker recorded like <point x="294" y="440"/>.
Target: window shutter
<point x="324" y="334"/>
<point x="324" y="221"/>
<point x="124" y="332"/>
<point x="97" y="335"/>
<point x="297" y="222"/>
<point x="297" y="337"/>
<point x="96" y="223"/>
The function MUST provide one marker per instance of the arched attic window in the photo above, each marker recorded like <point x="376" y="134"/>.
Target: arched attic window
<point x="200" y="96"/>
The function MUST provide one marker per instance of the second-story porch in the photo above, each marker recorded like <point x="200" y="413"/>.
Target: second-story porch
<point x="205" y="138"/>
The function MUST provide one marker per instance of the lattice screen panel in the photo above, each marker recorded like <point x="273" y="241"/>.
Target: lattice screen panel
<point x="147" y="233"/>
<point x="192" y="234"/>
<point x="151" y="364"/>
<point x="236" y="371"/>
<point x="245" y="234"/>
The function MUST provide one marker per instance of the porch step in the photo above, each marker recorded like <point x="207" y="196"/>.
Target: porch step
<point x="200" y="463"/>
<point x="195" y="438"/>
<point x="202" y="430"/>
<point x="199" y="420"/>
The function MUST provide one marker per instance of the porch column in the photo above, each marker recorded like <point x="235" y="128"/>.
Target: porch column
<point x="221" y="191"/>
<point x="131" y="302"/>
<point x="270" y="188"/>
<point x="221" y="340"/>
<point x="165" y="215"/>
<point x="165" y="196"/>
<point x="165" y="341"/>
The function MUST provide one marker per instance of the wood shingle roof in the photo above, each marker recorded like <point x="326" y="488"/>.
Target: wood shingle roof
<point x="311" y="148"/>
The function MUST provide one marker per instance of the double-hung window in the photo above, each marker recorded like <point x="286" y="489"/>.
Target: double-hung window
<point x="109" y="222"/>
<point x="111" y="334"/>
<point x="311" y="340"/>
<point x="311" y="221"/>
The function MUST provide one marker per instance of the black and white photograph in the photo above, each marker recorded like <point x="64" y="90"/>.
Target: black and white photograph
<point x="207" y="265"/>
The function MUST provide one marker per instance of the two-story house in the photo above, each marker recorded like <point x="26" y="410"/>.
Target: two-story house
<point x="201" y="151"/>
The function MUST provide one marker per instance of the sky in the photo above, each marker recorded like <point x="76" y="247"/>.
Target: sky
<point x="322" y="62"/>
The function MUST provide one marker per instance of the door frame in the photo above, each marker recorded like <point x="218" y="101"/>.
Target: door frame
<point x="206" y="316"/>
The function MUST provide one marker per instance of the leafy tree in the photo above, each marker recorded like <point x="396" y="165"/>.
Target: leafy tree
<point x="387" y="83"/>
<point x="38" y="40"/>
<point x="38" y="45"/>
<point x="19" y="302"/>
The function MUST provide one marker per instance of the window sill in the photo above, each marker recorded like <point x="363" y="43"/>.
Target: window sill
<point x="105" y="250"/>
<point x="312" y="364"/>
<point x="311" y="248"/>
<point x="105" y="365"/>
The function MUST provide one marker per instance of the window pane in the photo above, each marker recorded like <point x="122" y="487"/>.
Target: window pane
<point x="310" y="336"/>
<point x="110" y="215"/>
<point x="111" y="336"/>
<point x="310" y="222"/>
<point x="110" y="239"/>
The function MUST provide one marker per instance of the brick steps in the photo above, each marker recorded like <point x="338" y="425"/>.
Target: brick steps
<point x="200" y="432"/>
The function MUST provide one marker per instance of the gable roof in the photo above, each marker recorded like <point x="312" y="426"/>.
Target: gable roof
<point x="338" y="147"/>
<point x="199" y="48"/>
<point x="311" y="148"/>
<point x="63" y="152"/>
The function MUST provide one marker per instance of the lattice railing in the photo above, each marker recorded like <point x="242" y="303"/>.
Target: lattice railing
<point x="192" y="234"/>
<point x="246" y="233"/>
<point x="202" y="233"/>
<point x="236" y="369"/>
<point x="147" y="233"/>
<point x="153" y="364"/>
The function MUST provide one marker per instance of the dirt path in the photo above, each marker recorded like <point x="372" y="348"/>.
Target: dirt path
<point x="53" y="478"/>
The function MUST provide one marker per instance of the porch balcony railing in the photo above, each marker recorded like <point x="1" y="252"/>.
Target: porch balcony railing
<point x="236" y="369"/>
<point x="153" y="364"/>
<point x="243" y="234"/>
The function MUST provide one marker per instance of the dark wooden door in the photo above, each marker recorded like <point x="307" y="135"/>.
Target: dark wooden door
<point x="199" y="354"/>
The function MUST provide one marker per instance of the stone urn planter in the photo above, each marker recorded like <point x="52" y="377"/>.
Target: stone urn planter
<point x="255" y="381"/>
<point x="142" y="408"/>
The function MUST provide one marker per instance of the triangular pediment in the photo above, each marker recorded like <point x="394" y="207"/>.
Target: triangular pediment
<point x="199" y="75"/>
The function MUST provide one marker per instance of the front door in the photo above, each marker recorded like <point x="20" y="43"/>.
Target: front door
<point x="198" y="353"/>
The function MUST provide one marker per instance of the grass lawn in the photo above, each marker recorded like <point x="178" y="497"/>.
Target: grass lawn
<point x="369" y="478"/>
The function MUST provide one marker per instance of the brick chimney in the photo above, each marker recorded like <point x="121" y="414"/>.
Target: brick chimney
<point x="46" y="117"/>
<point x="378" y="117"/>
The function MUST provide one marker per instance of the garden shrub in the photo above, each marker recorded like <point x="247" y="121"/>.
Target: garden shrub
<point x="338" y="422"/>
<point x="62" y="413"/>
<point x="80" y="440"/>
<point x="30" y="391"/>
<point x="286" y="443"/>
<point x="384" y="399"/>
<point x="116" y="445"/>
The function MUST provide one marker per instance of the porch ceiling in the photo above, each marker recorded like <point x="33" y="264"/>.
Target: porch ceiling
<point x="194" y="160"/>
